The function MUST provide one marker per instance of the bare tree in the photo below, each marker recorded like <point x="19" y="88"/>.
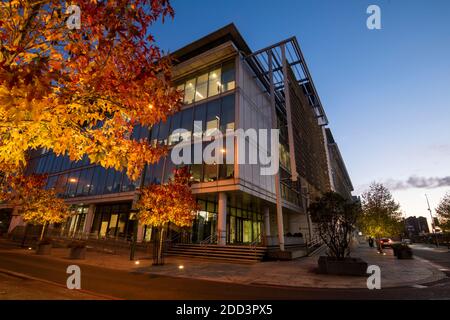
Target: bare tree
<point x="335" y="218"/>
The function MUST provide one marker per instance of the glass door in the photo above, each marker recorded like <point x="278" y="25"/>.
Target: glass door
<point x="239" y="229"/>
<point x="247" y="237"/>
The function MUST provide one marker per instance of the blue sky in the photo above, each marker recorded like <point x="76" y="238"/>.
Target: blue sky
<point x="386" y="92"/>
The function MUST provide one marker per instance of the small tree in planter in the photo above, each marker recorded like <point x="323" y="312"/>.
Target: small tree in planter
<point x="335" y="218"/>
<point x="77" y="250"/>
<point x="172" y="202"/>
<point x="37" y="205"/>
<point x="443" y="211"/>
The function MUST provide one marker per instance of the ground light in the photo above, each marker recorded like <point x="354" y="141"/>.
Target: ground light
<point x="181" y="267"/>
<point x="137" y="262"/>
<point x="29" y="248"/>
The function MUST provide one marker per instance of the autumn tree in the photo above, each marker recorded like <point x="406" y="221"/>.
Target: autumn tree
<point x="173" y="202"/>
<point x="443" y="211"/>
<point x="381" y="215"/>
<point x="81" y="91"/>
<point x="36" y="205"/>
<point x="335" y="218"/>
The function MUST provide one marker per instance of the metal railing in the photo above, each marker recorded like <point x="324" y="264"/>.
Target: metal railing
<point x="254" y="244"/>
<point x="212" y="238"/>
<point x="314" y="243"/>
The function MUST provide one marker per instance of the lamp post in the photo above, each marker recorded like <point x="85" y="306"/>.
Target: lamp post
<point x="432" y="222"/>
<point x="134" y="238"/>
<point x="136" y="220"/>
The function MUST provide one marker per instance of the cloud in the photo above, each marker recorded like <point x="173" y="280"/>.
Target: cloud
<point x="410" y="183"/>
<point x="418" y="182"/>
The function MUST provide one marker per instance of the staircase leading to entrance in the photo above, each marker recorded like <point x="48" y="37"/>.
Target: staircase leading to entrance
<point x="246" y="254"/>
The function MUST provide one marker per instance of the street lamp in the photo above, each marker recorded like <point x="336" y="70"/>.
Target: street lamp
<point x="432" y="222"/>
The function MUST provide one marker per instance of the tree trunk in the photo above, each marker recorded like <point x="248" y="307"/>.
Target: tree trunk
<point x="161" y="239"/>
<point x="43" y="231"/>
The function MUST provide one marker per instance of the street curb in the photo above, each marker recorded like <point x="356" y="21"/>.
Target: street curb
<point x="27" y="277"/>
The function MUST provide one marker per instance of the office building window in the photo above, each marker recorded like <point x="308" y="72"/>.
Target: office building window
<point x="227" y="113"/>
<point x="209" y="84"/>
<point x="214" y="85"/>
<point x="212" y="118"/>
<point x="201" y="90"/>
<point x="189" y="91"/>
<point x="228" y="78"/>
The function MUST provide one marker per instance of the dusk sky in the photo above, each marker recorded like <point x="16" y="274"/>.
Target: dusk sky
<point x="386" y="92"/>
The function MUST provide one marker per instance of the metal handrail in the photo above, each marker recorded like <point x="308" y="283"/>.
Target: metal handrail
<point x="208" y="239"/>
<point x="254" y="244"/>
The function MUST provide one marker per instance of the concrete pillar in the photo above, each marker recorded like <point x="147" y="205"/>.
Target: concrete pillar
<point x="89" y="219"/>
<point x="16" y="220"/>
<point x="140" y="233"/>
<point x="267" y="221"/>
<point x="294" y="223"/>
<point x="222" y="220"/>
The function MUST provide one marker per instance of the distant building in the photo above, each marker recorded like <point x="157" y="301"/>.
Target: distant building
<point x="416" y="226"/>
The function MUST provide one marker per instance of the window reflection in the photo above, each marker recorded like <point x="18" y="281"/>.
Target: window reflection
<point x="189" y="91"/>
<point x="209" y="84"/>
<point x="202" y="87"/>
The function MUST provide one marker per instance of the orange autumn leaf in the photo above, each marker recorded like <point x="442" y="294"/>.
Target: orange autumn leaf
<point x="81" y="91"/>
<point x="172" y="202"/>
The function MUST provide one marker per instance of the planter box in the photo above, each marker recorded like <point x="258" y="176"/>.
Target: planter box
<point x="347" y="267"/>
<point x="404" y="254"/>
<point x="44" y="249"/>
<point x="78" y="253"/>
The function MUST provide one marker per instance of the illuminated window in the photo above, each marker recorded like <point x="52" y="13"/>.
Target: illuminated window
<point x="214" y="82"/>
<point x="189" y="91"/>
<point x="201" y="90"/>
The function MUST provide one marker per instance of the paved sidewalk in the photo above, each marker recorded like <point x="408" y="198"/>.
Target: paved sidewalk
<point x="297" y="273"/>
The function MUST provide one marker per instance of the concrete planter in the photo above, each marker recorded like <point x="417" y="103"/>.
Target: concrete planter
<point x="44" y="249"/>
<point x="346" y="267"/>
<point x="402" y="251"/>
<point x="404" y="254"/>
<point x="78" y="253"/>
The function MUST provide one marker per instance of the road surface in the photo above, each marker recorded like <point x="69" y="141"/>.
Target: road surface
<point x="127" y="285"/>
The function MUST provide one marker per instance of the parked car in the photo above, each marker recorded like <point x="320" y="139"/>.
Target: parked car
<point x="406" y="241"/>
<point x="385" y="242"/>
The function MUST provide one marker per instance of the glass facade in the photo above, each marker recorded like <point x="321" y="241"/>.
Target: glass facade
<point x="208" y="83"/>
<point x="215" y="114"/>
<point x="76" y="222"/>
<point x="113" y="221"/>
<point x="243" y="225"/>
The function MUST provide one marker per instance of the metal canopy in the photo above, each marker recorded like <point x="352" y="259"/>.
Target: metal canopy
<point x="259" y="61"/>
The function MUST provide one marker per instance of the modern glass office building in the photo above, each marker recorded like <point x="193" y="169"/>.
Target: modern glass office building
<point x="226" y="86"/>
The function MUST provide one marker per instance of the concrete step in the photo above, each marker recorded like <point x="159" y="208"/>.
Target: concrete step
<point x="231" y="253"/>
<point x="221" y="259"/>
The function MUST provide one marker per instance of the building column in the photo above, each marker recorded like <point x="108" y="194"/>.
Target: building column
<point x="222" y="220"/>
<point x="89" y="219"/>
<point x="16" y="220"/>
<point x="267" y="221"/>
